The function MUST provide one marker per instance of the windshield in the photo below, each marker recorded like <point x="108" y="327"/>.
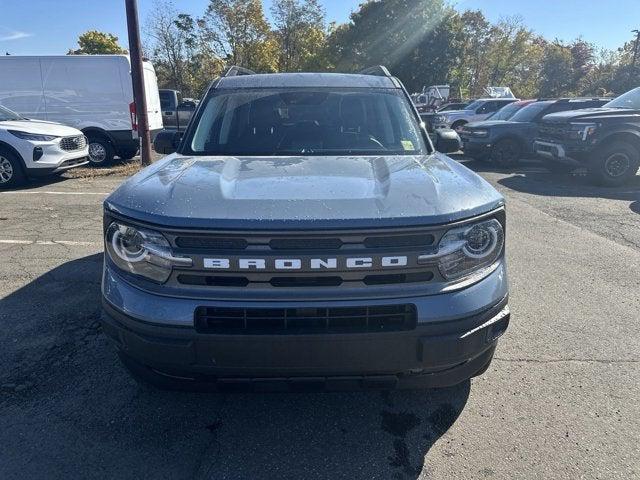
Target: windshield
<point x="505" y="113"/>
<point x="474" y="105"/>
<point x="631" y="99"/>
<point x="530" y="112"/>
<point x="316" y="121"/>
<point x="6" y="114"/>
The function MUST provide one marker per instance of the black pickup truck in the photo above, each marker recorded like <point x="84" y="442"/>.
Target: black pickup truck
<point x="605" y="140"/>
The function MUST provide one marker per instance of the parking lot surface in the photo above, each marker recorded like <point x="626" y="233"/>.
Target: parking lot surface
<point x="559" y="401"/>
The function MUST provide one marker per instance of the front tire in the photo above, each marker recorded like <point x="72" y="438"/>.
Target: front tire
<point x="457" y="126"/>
<point x="615" y="164"/>
<point x="11" y="171"/>
<point x="101" y="151"/>
<point x="506" y="153"/>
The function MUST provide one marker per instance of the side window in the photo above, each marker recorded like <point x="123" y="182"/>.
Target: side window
<point x="488" y="107"/>
<point x="165" y="100"/>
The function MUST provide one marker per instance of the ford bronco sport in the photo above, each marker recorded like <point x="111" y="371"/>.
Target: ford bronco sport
<point x="305" y="234"/>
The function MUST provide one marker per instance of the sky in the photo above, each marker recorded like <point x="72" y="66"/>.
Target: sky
<point x="50" y="27"/>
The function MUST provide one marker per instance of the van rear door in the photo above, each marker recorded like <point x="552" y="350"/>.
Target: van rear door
<point x="152" y="96"/>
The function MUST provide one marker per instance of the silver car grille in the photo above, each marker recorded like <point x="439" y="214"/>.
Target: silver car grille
<point x="77" y="142"/>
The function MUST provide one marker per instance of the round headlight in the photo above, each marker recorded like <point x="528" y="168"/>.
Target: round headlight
<point x="467" y="250"/>
<point x="142" y="252"/>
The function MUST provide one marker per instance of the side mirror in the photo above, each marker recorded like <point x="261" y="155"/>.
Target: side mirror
<point x="167" y="141"/>
<point x="447" y="141"/>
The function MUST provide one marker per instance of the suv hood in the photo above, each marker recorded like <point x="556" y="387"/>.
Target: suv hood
<point x="588" y="114"/>
<point x="496" y="124"/>
<point x="303" y="192"/>
<point x="40" y="127"/>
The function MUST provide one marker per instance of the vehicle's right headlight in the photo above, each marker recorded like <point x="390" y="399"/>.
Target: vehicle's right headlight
<point x="35" y="137"/>
<point x="440" y="119"/>
<point x="468" y="250"/>
<point x="142" y="252"/>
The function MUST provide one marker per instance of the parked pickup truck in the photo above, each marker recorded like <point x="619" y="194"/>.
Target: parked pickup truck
<point x="176" y="112"/>
<point x="293" y="241"/>
<point x="605" y="140"/>
<point x="506" y="141"/>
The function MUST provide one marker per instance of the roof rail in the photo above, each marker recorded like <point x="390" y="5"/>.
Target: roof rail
<point x="378" y="70"/>
<point x="234" y="71"/>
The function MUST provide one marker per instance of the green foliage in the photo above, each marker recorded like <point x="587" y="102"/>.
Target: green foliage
<point x="97" y="43"/>
<point x="423" y="42"/>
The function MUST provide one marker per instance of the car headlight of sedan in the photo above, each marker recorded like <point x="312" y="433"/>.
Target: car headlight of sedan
<point x="582" y="131"/>
<point x="468" y="250"/>
<point x="142" y="252"/>
<point x="35" y="137"/>
<point x="440" y="119"/>
<point x="479" y="133"/>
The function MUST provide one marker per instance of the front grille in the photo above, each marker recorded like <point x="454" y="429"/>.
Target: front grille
<point x="307" y="320"/>
<point x="552" y="131"/>
<point x="321" y="258"/>
<point x="77" y="142"/>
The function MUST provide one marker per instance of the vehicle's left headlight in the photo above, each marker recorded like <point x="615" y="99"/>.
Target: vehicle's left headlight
<point x="35" y="137"/>
<point x="468" y="250"/>
<point x="440" y="119"/>
<point x="142" y="252"/>
<point x="582" y="131"/>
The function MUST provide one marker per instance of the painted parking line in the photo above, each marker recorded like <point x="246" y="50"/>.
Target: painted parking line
<point x="49" y="242"/>
<point x="47" y="192"/>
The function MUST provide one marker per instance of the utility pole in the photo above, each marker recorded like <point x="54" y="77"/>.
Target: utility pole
<point x="635" y="47"/>
<point x="137" y="77"/>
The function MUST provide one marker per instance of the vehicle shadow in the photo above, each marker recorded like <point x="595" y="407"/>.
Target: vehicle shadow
<point x="532" y="178"/>
<point x="70" y="410"/>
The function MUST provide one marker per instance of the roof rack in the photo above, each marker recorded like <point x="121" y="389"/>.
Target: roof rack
<point x="234" y="71"/>
<point x="378" y="70"/>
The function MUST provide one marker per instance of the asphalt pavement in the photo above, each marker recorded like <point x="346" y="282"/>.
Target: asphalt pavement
<point x="561" y="399"/>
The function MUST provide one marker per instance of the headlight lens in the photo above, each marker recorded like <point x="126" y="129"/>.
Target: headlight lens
<point x="479" y="133"/>
<point x="142" y="252"/>
<point x="467" y="250"/>
<point x="582" y="131"/>
<point x="32" y="136"/>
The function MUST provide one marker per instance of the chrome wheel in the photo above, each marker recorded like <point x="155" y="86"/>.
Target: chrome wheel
<point x="97" y="152"/>
<point x="6" y="170"/>
<point x="617" y="165"/>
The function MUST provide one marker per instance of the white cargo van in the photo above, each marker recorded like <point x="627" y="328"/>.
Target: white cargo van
<point x="92" y="93"/>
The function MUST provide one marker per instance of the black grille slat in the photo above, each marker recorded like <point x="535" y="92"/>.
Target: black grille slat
<point x="211" y="243"/>
<point x="420" y="240"/>
<point x="308" y="243"/>
<point x="311" y="320"/>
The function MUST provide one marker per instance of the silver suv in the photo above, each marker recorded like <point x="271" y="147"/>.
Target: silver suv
<point x="474" y="112"/>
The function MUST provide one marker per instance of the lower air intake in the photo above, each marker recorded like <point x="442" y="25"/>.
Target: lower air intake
<point x="301" y="321"/>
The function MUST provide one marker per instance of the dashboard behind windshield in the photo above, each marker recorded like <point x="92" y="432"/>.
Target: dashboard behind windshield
<point x="306" y="121"/>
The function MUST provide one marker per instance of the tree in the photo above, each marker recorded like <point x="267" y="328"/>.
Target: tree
<point x="414" y="38"/>
<point x="94" y="42"/>
<point x="239" y="33"/>
<point x="300" y="33"/>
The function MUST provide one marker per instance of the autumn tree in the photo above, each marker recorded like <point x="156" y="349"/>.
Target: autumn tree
<point x="300" y="34"/>
<point x="239" y="33"/>
<point x="94" y="42"/>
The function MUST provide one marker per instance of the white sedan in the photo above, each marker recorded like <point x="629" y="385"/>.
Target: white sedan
<point x="35" y="148"/>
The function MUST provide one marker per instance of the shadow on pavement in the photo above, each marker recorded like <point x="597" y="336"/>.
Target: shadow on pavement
<point x="531" y="177"/>
<point x="69" y="410"/>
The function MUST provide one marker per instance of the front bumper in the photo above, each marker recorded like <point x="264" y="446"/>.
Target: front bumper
<point x="567" y="153"/>
<point x="476" y="146"/>
<point x="455" y="337"/>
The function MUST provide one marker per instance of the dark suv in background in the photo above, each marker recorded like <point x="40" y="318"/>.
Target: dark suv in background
<point x="506" y="141"/>
<point x="606" y="141"/>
